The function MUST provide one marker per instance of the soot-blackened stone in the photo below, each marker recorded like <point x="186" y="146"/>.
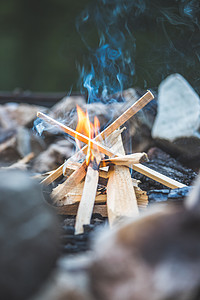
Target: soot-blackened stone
<point x="29" y="236"/>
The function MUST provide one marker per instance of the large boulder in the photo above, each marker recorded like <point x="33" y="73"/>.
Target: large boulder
<point x="177" y="124"/>
<point x="29" y="236"/>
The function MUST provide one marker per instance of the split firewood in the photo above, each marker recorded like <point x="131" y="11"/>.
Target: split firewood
<point x="86" y="205"/>
<point x="71" y="210"/>
<point x="71" y="165"/>
<point x="121" y="198"/>
<point x="142" y="201"/>
<point x="63" y="189"/>
<point x="131" y="111"/>
<point x="74" y="179"/>
<point x="75" y="196"/>
<point x="126" y="160"/>
<point x="139" y="167"/>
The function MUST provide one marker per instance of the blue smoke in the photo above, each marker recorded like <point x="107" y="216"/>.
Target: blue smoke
<point x="111" y="59"/>
<point x="138" y="42"/>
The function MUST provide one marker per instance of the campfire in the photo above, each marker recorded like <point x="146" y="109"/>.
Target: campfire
<point x="122" y="197"/>
<point x="99" y="182"/>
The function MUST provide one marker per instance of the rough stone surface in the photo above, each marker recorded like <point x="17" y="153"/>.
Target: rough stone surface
<point x="166" y="165"/>
<point x="54" y="156"/>
<point x="28" y="236"/>
<point x="177" y="125"/>
<point x="178" y="110"/>
<point x="156" y="257"/>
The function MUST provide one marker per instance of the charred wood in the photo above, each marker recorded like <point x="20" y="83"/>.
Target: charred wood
<point x="167" y="165"/>
<point x="168" y="196"/>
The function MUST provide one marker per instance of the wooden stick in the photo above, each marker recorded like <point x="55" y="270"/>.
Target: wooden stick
<point x="66" y="186"/>
<point x="70" y="164"/>
<point x="88" y="197"/>
<point x="76" y="134"/>
<point x="121" y="198"/>
<point x="101" y="209"/>
<point x="62" y="189"/>
<point x="71" y="199"/>
<point x="75" y="196"/>
<point x="126" y="160"/>
<point x="130" y="112"/>
<point x="72" y="210"/>
<point x="167" y="181"/>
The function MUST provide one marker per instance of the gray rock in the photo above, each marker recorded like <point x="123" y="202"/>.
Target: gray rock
<point x="28" y="236"/>
<point x="156" y="257"/>
<point x="54" y="156"/>
<point x="178" y="110"/>
<point x="177" y="124"/>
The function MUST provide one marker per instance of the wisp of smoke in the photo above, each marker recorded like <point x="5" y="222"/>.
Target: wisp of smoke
<point x="138" y="42"/>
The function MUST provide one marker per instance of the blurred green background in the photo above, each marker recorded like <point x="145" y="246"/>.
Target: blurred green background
<point x="40" y="46"/>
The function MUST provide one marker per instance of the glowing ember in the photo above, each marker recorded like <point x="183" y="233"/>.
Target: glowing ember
<point x="85" y="127"/>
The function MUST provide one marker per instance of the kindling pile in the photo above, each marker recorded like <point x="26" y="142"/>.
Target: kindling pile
<point x="120" y="197"/>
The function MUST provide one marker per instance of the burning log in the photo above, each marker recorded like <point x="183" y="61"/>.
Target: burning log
<point x="121" y="199"/>
<point x="76" y="134"/>
<point x="131" y="111"/>
<point x="88" y="197"/>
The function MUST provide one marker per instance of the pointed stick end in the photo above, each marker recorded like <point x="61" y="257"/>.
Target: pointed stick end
<point x="150" y="93"/>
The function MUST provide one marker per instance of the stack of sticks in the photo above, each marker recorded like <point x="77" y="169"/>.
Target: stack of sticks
<point x="122" y="196"/>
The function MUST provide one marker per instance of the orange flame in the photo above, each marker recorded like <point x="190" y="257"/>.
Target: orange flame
<point x="85" y="127"/>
